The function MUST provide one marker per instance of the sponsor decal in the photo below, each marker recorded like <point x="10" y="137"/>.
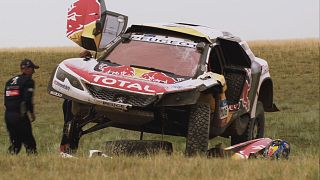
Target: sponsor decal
<point x="81" y="13"/>
<point x="152" y="76"/>
<point x="116" y="105"/>
<point x="12" y="87"/>
<point x="158" y="77"/>
<point x="245" y="93"/>
<point x="163" y="40"/>
<point x="13" y="92"/>
<point x="118" y="82"/>
<point x="223" y="114"/>
<point x="181" y="79"/>
<point x="246" y="89"/>
<point x="117" y="70"/>
<point x="55" y="93"/>
<point x="119" y="99"/>
<point x="234" y="107"/>
<point x="223" y="109"/>
<point x="244" y="98"/>
<point x="248" y="71"/>
<point x="14" y="80"/>
<point x="123" y="84"/>
<point x="61" y="85"/>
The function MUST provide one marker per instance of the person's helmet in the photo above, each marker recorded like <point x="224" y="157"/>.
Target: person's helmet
<point x="277" y="149"/>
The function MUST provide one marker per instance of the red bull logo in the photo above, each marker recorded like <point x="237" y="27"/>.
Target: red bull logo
<point x="245" y="93"/>
<point x="81" y="13"/>
<point x="122" y="70"/>
<point x="117" y="82"/>
<point x="117" y="70"/>
<point x="158" y="77"/>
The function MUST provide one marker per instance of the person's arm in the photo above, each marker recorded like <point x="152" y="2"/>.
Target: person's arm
<point x="28" y="97"/>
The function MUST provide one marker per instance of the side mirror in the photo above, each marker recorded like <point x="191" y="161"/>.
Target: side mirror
<point x="200" y="46"/>
<point x="125" y="37"/>
<point x="98" y="28"/>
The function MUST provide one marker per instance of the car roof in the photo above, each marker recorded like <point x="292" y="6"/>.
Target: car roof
<point x="202" y="32"/>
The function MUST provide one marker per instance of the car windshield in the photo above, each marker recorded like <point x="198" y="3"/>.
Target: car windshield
<point x="178" y="57"/>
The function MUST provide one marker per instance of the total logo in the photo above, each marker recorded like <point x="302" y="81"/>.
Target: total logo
<point x="134" y="86"/>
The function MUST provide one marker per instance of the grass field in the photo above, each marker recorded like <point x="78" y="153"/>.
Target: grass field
<point x="294" y="67"/>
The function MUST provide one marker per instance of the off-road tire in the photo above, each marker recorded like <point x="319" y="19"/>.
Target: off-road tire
<point x="235" y="79"/>
<point x="255" y="128"/>
<point x="137" y="147"/>
<point x="198" y="130"/>
<point x="71" y="133"/>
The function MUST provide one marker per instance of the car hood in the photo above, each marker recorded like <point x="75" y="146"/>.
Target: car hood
<point x="107" y="74"/>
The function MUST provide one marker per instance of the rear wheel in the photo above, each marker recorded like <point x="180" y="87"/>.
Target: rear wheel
<point x="255" y="128"/>
<point x="137" y="147"/>
<point x="198" y="130"/>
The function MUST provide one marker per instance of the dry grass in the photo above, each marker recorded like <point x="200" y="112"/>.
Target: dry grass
<point x="294" y="66"/>
<point x="156" y="167"/>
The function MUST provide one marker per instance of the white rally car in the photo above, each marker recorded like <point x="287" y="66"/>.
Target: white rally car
<point x="173" y="79"/>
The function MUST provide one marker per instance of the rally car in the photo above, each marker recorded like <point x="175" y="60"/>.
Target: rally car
<point x="172" y="79"/>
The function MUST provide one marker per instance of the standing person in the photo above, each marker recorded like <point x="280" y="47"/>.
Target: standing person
<point x="18" y="101"/>
<point x="65" y="145"/>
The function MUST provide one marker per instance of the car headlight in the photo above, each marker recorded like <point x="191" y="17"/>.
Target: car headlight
<point x="62" y="75"/>
<point x="180" y="98"/>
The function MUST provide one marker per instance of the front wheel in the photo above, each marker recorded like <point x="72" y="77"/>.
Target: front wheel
<point x="198" y="130"/>
<point x="70" y="137"/>
<point x="255" y="128"/>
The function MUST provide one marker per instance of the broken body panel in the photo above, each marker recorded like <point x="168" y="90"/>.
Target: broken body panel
<point x="91" y="26"/>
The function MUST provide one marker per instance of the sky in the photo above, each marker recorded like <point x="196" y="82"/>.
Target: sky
<point x="42" y="23"/>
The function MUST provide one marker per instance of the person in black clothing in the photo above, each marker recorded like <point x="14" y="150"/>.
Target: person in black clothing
<point x="19" y="107"/>
<point x="67" y="116"/>
<point x="65" y="145"/>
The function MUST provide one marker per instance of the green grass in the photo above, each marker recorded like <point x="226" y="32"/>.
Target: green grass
<point x="294" y="67"/>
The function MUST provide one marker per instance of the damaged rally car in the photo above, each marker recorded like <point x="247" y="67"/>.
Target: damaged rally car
<point x="173" y="79"/>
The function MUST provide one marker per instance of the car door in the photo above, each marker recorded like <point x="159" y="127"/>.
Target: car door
<point x="237" y="73"/>
<point x="91" y="26"/>
<point x="112" y="25"/>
